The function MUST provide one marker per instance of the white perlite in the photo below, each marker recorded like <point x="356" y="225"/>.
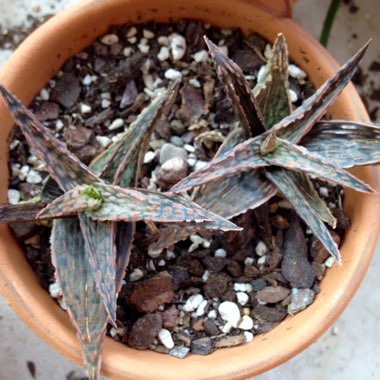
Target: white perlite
<point x="293" y="95"/>
<point x="116" y="124"/>
<point x="200" y="56"/>
<point x="296" y="72"/>
<point x="131" y="32"/>
<point x="163" y="54"/>
<point x="193" y="302"/>
<point x="242" y="287"/>
<point x="110" y="39"/>
<point x="87" y="80"/>
<point x="104" y="141"/>
<point x="229" y="312"/>
<point x="13" y="196"/>
<point x="201" y="308"/>
<point x="55" y="290"/>
<point x="220" y="252"/>
<point x="177" y="46"/>
<point x="172" y="74"/>
<point x="195" y="82"/>
<point x="261" y="248"/>
<point x="148" y="34"/>
<point x="33" y="177"/>
<point x="248" y="336"/>
<point x="44" y="94"/>
<point x="136" y="275"/>
<point x="245" y="323"/>
<point x="105" y="103"/>
<point x="143" y="48"/>
<point x="205" y="275"/>
<point x="242" y="298"/>
<point x="149" y="157"/>
<point x="85" y="108"/>
<point x="166" y="338"/>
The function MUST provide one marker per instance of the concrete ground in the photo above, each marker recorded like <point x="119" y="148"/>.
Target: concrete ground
<point x="349" y="350"/>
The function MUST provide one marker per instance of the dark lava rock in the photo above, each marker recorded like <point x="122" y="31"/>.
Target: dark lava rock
<point x="318" y="252"/>
<point x="216" y="285"/>
<point x="295" y="266"/>
<point x="272" y="294"/>
<point x="251" y="271"/>
<point x="144" y="331"/>
<point x="268" y="314"/>
<point x="230" y="341"/>
<point x="147" y="296"/>
<point x="47" y="111"/>
<point x="234" y="268"/>
<point x="210" y="327"/>
<point x="258" y="284"/>
<point x="179" y="275"/>
<point x="202" y="346"/>
<point x="214" y="264"/>
<point x="247" y="60"/>
<point x="170" y="317"/>
<point x="66" y="91"/>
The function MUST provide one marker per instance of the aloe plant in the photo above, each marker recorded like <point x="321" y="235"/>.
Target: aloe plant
<point x="277" y="149"/>
<point x="92" y="242"/>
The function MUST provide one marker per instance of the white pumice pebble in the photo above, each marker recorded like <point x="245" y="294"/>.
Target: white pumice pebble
<point x="195" y="83"/>
<point x="119" y="331"/>
<point x="262" y="260"/>
<point x="196" y="239"/>
<point x="110" y="39"/>
<point x="177" y="46"/>
<point x="206" y="244"/>
<point x="148" y="34"/>
<point x="242" y="298"/>
<point x="166" y="338"/>
<point x="192" y="161"/>
<point x="296" y="72"/>
<point x="33" y="177"/>
<point x="189" y="148"/>
<point x="324" y="191"/>
<point x="242" y="287"/>
<point x="136" y="275"/>
<point x="14" y="144"/>
<point x="248" y="336"/>
<point x="170" y="255"/>
<point x="149" y="157"/>
<point x="260" y="73"/>
<point x="13" y="196"/>
<point x="329" y="262"/>
<point x="163" y="40"/>
<point x="293" y="95"/>
<point x="23" y="172"/>
<point x="220" y="252"/>
<point x="127" y="52"/>
<point x="205" y="275"/>
<point x="105" y="103"/>
<point x="132" y="40"/>
<point x="104" y="141"/>
<point x="245" y="323"/>
<point x="172" y="74"/>
<point x="163" y="54"/>
<point x="200" y="56"/>
<point x="161" y="263"/>
<point x="131" y="32"/>
<point x="268" y="51"/>
<point x="44" y="94"/>
<point x="85" y="108"/>
<point x="62" y="303"/>
<point x="226" y="328"/>
<point x="229" y="312"/>
<point x="261" y="248"/>
<point x="249" y="261"/>
<point x="143" y="48"/>
<point x="193" y="302"/>
<point x="116" y="124"/>
<point x="87" y="80"/>
<point x="202" y="308"/>
<point x="212" y="314"/>
<point x="55" y="290"/>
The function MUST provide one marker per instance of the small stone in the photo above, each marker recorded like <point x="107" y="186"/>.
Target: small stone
<point x="220" y="252"/>
<point x="127" y="52"/>
<point x="171" y="172"/>
<point x="33" y="177"/>
<point x="169" y="151"/>
<point x="261" y="248"/>
<point x="323" y="191"/>
<point x="163" y="40"/>
<point x="131" y="32"/>
<point x="172" y="74"/>
<point x="13" y="196"/>
<point x="136" y="275"/>
<point x="202" y="308"/>
<point x="166" y="338"/>
<point x="229" y="312"/>
<point x="329" y="262"/>
<point x="230" y="341"/>
<point x="226" y="329"/>
<point x="202" y="346"/>
<point x="242" y="287"/>
<point x="242" y="298"/>
<point x="248" y="336"/>
<point x="205" y="275"/>
<point x="87" y="80"/>
<point x="234" y="268"/>
<point x="148" y="34"/>
<point x="249" y="261"/>
<point x="200" y="56"/>
<point x="149" y="157"/>
<point x="176" y="140"/>
<point x="109" y="39"/>
<point x="67" y="90"/>
<point x="280" y="223"/>
<point x="55" y="290"/>
<point x="116" y="124"/>
<point x="300" y="299"/>
<point x="216" y="285"/>
<point x="193" y="302"/>
<point x="293" y="95"/>
<point x="245" y="323"/>
<point x="268" y="314"/>
<point x="120" y="331"/>
<point x="195" y="83"/>
<point x="105" y="103"/>
<point x="214" y="264"/>
<point x="144" y="331"/>
<point x="132" y="40"/>
<point x="212" y="314"/>
<point x="129" y="95"/>
<point x="44" y="94"/>
<point x="85" y="108"/>
<point x="296" y="72"/>
<point x="163" y="54"/>
<point x="170" y="317"/>
<point x="104" y="141"/>
<point x="272" y="294"/>
<point x="210" y="327"/>
<point x="177" y="46"/>
<point x="143" y="48"/>
<point x="179" y="352"/>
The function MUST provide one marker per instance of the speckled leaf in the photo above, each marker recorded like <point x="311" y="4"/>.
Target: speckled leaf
<point x="63" y="166"/>
<point x="272" y="89"/>
<point x="99" y="238"/>
<point x="75" y="277"/>
<point x="238" y="90"/>
<point x="346" y="143"/>
<point x="293" y="194"/>
<point x="296" y="125"/>
<point x="294" y="157"/>
<point x="243" y="157"/>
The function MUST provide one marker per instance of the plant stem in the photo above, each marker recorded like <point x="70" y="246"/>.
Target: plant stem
<point x="328" y="23"/>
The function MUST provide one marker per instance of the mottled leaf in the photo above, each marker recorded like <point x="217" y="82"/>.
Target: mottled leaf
<point x="238" y="90"/>
<point x="272" y="89"/>
<point x="293" y="194"/>
<point x="63" y="166"/>
<point x="300" y="121"/>
<point x="346" y="143"/>
<point x="294" y="157"/>
<point x="75" y="277"/>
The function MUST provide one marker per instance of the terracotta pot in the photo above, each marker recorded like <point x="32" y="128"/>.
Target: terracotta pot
<point x="40" y="57"/>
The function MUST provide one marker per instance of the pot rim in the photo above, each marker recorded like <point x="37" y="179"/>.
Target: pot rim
<point x="18" y="283"/>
